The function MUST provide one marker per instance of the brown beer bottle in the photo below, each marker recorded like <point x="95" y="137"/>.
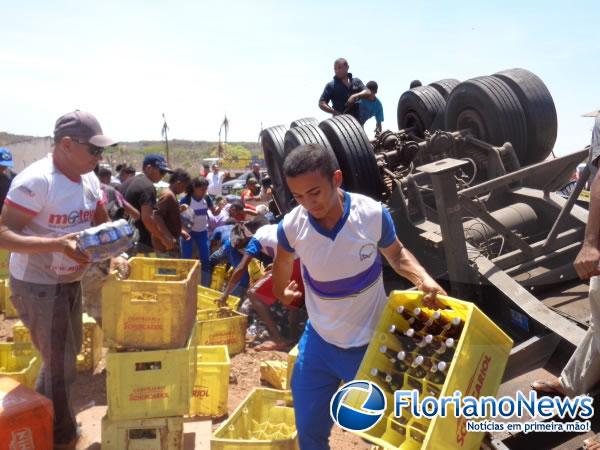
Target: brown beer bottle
<point x="407" y="342"/>
<point x="405" y="314"/>
<point x="416" y="368"/>
<point x="446" y="350"/>
<point x="435" y="327"/>
<point x="454" y="329"/>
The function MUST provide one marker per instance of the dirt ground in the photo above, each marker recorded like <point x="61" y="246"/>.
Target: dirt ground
<point x="90" y="391"/>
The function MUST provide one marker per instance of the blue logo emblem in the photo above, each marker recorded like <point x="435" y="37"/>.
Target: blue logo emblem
<point x="358" y="405"/>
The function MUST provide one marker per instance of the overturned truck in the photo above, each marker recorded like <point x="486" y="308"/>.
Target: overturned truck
<point x="472" y="190"/>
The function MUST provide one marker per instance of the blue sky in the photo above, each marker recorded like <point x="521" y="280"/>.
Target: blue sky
<point x="267" y="61"/>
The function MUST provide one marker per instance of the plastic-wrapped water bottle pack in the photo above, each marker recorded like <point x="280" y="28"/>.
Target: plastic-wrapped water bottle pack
<point x="107" y="240"/>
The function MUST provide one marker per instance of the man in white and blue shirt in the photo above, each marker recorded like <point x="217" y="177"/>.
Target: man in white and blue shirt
<point x="339" y="237"/>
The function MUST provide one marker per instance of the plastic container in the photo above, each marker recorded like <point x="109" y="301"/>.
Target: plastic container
<point x="4" y="259"/>
<point x="255" y="270"/>
<point x="207" y="297"/>
<point x="222" y="327"/>
<point x="292" y="355"/>
<point x="107" y="240"/>
<point x="217" y="281"/>
<point x="155" y="383"/>
<point x="9" y="309"/>
<point x="274" y="373"/>
<point x="476" y="369"/>
<point x="165" y="433"/>
<point x="25" y="417"/>
<point x="91" y="348"/>
<point x="154" y="308"/>
<point x="21" y="362"/>
<point x="211" y="388"/>
<point x="263" y="421"/>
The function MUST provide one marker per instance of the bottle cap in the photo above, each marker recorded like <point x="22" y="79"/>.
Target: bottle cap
<point x="374" y="372"/>
<point x="449" y="342"/>
<point x="383" y="349"/>
<point x="442" y="365"/>
<point x="410" y="332"/>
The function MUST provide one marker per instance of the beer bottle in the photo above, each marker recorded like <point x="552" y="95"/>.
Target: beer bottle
<point x="446" y="351"/>
<point x="435" y="376"/>
<point x="435" y="327"/>
<point x="391" y="354"/>
<point x="416" y="368"/>
<point x="423" y="346"/>
<point x="423" y="320"/>
<point x="404" y="313"/>
<point x="406" y="341"/>
<point x="442" y="371"/>
<point x="454" y="328"/>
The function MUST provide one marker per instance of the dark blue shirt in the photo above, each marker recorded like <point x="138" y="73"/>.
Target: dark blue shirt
<point x="338" y="93"/>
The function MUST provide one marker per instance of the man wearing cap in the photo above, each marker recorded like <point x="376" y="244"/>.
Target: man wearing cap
<point x="47" y="205"/>
<point x="140" y="192"/>
<point x="6" y="175"/>
<point x="215" y="182"/>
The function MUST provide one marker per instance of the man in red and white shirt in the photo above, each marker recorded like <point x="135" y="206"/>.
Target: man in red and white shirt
<point x="48" y="204"/>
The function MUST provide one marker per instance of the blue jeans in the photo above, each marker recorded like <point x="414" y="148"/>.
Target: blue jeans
<point x="200" y="238"/>
<point x="318" y="372"/>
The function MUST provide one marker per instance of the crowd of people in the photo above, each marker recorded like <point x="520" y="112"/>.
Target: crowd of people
<point x="322" y="259"/>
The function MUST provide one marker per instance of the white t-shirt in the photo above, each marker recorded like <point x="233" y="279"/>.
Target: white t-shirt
<point x="58" y="206"/>
<point x="341" y="268"/>
<point x="215" y="183"/>
<point x="264" y="240"/>
<point x="198" y="209"/>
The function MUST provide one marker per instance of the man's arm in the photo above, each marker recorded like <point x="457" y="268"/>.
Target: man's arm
<point x="236" y="276"/>
<point x="356" y="97"/>
<point x="12" y="222"/>
<point x="283" y="289"/>
<point x="406" y="265"/>
<point x="100" y="215"/>
<point x="325" y="99"/>
<point x="156" y="226"/>
<point x="586" y="263"/>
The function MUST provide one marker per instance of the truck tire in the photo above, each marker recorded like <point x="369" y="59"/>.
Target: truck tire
<point x="306" y="134"/>
<point x="271" y="140"/>
<point x="540" y="112"/>
<point x="355" y="155"/>
<point x="445" y="86"/>
<point x="304" y="121"/>
<point x="422" y="108"/>
<point x="489" y="108"/>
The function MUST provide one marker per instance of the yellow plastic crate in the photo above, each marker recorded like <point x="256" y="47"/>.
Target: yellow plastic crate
<point x="222" y="327"/>
<point x="481" y="351"/>
<point x="217" y="281"/>
<point x="22" y="366"/>
<point x="292" y="356"/>
<point x="207" y="297"/>
<point x="154" y="308"/>
<point x="4" y="259"/>
<point x="255" y="270"/>
<point x="9" y="309"/>
<point x="142" y="434"/>
<point x="275" y="373"/>
<point x="211" y="388"/>
<point x="91" y="348"/>
<point x="263" y="421"/>
<point x="154" y="383"/>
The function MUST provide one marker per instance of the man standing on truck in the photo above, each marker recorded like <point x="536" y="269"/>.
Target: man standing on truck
<point x="343" y="91"/>
<point x="582" y="372"/>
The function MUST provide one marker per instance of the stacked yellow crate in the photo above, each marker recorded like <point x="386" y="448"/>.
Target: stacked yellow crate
<point x="91" y="348"/>
<point x="149" y="327"/>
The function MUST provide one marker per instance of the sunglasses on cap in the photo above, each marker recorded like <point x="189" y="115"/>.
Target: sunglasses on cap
<point x="91" y="148"/>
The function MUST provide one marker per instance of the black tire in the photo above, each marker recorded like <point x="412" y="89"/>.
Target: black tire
<point x="421" y="108"/>
<point x="271" y="140"/>
<point x="304" y="121"/>
<point x="355" y="155"/>
<point x="492" y="111"/>
<point x="540" y="112"/>
<point x="306" y="134"/>
<point x="445" y="86"/>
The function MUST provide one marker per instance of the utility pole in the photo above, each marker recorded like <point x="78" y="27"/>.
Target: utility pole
<point x="165" y="128"/>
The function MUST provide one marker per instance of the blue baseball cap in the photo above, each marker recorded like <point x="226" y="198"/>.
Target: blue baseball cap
<point x="157" y="161"/>
<point x="5" y="157"/>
